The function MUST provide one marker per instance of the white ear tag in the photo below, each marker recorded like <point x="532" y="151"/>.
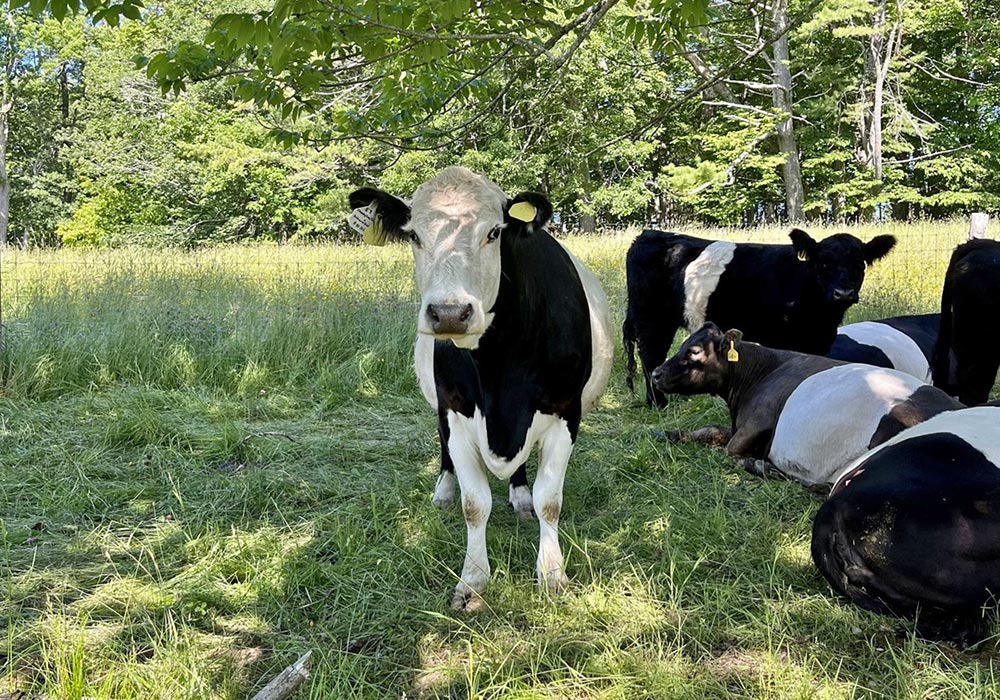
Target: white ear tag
<point x="365" y="221"/>
<point x="523" y="211"/>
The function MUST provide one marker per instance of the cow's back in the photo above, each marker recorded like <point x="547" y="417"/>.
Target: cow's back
<point x="832" y="416"/>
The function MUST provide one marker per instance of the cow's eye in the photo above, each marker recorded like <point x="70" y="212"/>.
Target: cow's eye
<point x="414" y="239"/>
<point x="493" y="234"/>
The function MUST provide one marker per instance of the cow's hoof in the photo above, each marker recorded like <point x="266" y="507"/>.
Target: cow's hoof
<point x="757" y="467"/>
<point x="554" y="581"/>
<point x="444" y="491"/>
<point x="674" y="437"/>
<point x="466" y="602"/>
<point x="520" y="500"/>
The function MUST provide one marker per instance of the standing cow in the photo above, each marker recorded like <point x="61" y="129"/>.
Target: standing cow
<point x="513" y="346"/>
<point x="967" y="353"/>
<point x="807" y="415"/>
<point x="905" y="343"/>
<point x="783" y="296"/>
<point x="912" y="528"/>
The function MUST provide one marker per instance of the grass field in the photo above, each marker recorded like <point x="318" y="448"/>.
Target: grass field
<point x="213" y="462"/>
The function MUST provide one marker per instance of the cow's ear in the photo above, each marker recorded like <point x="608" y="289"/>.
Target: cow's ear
<point x="803" y="244"/>
<point x="378" y="216"/>
<point x="878" y="247"/>
<point x="528" y="210"/>
<point x="730" y="345"/>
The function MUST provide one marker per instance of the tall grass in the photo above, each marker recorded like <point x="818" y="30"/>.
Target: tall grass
<point x="211" y="462"/>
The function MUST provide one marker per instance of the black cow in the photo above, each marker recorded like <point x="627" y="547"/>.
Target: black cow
<point x="513" y="346"/>
<point x="783" y="296"/>
<point x="905" y="343"/>
<point x="806" y="415"/>
<point x="967" y="353"/>
<point x="913" y="527"/>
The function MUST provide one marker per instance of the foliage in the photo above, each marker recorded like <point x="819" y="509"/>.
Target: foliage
<point x="621" y="111"/>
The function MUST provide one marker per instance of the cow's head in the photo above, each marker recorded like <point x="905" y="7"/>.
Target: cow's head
<point x="701" y="366"/>
<point x="838" y="263"/>
<point x="454" y="224"/>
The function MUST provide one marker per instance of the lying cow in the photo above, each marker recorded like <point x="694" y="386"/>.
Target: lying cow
<point x="513" y="345"/>
<point x="967" y="353"/>
<point x="912" y="528"/>
<point x="905" y="343"/>
<point x="783" y="296"/>
<point x="806" y="415"/>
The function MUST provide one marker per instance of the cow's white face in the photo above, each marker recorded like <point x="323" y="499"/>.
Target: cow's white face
<point x="456" y="222"/>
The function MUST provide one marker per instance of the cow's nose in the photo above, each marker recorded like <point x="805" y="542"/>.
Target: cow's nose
<point x="449" y="319"/>
<point x="850" y="295"/>
<point x="657" y="375"/>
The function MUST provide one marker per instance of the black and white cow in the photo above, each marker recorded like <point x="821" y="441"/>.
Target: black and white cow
<point x="806" y="415"/>
<point x="912" y="528"/>
<point x="967" y="353"/>
<point x="513" y="347"/>
<point x="784" y="296"/>
<point x="905" y="343"/>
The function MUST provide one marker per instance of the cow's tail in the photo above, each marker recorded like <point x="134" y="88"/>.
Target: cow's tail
<point x="628" y="343"/>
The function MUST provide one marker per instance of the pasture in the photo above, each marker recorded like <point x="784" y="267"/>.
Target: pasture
<point x="212" y="462"/>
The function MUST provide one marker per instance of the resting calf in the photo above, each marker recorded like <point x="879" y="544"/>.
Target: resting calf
<point x="905" y="343"/>
<point x="806" y="415"/>
<point x="912" y="528"/>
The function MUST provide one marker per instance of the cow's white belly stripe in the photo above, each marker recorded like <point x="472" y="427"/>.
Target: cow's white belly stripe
<point x="829" y="419"/>
<point x="474" y="430"/>
<point x="979" y="426"/>
<point x="902" y="351"/>
<point x="701" y="277"/>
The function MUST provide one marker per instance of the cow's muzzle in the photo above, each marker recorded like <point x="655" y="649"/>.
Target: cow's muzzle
<point x="449" y="319"/>
<point x="849" y="296"/>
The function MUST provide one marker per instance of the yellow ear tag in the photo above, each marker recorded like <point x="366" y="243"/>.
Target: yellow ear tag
<point x="803" y="256"/>
<point x="523" y="211"/>
<point x="376" y="234"/>
<point x="367" y="222"/>
<point x="733" y="355"/>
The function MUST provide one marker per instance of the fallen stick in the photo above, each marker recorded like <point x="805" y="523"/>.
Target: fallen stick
<point x="286" y="682"/>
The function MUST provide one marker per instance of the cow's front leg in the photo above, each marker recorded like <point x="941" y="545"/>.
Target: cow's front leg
<point x="716" y="435"/>
<point x="555" y="450"/>
<point x="477" y="502"/>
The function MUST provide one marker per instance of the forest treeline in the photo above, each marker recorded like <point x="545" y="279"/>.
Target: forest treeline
<point x="187" y="122"/>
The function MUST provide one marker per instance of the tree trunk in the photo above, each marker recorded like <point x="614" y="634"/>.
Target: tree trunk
<point x="878" y="56"/>
<point x="4" y="179"/>
<point x="782" y="97"/>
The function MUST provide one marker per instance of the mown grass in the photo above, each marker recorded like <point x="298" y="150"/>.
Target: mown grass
<point x="213" y="462"/>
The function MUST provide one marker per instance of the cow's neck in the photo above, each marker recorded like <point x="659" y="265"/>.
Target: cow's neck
<point x="755" y="363"/>
<point x="522" y="311"/>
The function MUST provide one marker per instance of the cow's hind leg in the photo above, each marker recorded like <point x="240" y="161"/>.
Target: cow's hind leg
<point x="444" y="489"/>
<point x="555" y="449"/>
<point x="520" y="493"/>
<point x="477" y="502"/>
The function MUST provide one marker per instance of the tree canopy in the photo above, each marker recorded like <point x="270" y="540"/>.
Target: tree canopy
<point x="181" y="122"/>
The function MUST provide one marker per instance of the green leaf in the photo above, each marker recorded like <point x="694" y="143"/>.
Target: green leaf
<point x="131" y="11"/>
